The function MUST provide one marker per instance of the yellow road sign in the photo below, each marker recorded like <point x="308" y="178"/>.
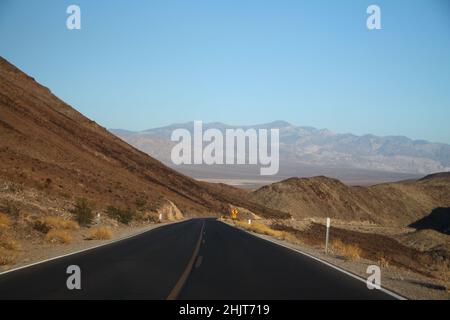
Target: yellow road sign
<point x="234" y="213"/>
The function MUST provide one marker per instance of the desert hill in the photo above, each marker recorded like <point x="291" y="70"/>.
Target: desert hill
<point x="437" y="176"/>
<point x="400" y="203"/>
<point x="48" y="147"/>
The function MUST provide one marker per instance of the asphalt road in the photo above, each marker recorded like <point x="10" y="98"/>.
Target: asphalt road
<point x="227" y="263"/>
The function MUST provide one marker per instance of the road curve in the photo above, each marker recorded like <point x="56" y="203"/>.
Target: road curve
<point x="227" y="263"/>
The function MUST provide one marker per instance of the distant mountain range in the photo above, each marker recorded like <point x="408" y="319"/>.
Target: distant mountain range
<point x="306" y="151"/>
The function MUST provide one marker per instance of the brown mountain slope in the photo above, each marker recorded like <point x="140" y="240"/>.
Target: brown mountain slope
<point x="46" y="144"/>
<point x="391" y="203"/>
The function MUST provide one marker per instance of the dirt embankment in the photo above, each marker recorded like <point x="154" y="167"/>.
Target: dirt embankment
<point x="377" y="247"/>
<point x="397" y="204"/>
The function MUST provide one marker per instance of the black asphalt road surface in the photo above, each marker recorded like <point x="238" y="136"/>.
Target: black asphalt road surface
<point x="230" y="264"/>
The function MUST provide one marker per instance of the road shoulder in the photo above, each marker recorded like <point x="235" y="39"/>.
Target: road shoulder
<point x="54" y="252"/>
<point x="401" y="283"/>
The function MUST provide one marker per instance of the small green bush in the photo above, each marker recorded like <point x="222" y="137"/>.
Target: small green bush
<point x="141" y="202"/>
<point x="152" y="219"/>
<point x="83" y="212"/>
<point x="124" y="216"/>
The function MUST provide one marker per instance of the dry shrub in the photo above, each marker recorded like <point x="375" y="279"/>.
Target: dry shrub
<point x="290" y="237"/>
<point x="100" y="233"/>
<point x="348" y="251"/>
<point x="5" y="221"/>
<point x="7" y="257"/>
<point x="261" y="228"/>
<point x="337" y="246"/>
<point x="8" y="243"/>
<point x="59" y="236"/>
<point x="149" y="218"/>
<point x="61" y="223"/>
<point x="55" y="223"/>
<point x="383" y="261"/>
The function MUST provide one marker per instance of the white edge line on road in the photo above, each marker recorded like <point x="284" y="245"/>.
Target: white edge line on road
<point x="393" y="294"/>
<point x="90" y="248"/>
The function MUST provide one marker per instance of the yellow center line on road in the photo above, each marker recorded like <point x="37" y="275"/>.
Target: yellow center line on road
<point x="184" y="276"/>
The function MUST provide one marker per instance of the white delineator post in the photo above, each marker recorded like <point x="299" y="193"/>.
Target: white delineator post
<point x="327" y="236"/>
<point x="249" y="221"/>
<point x="160" y="217"/>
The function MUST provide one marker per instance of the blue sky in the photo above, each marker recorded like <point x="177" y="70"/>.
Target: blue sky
<point x="141" y="64"/>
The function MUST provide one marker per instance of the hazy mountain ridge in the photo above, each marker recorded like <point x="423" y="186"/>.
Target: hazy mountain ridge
<point x="320" y="147"/>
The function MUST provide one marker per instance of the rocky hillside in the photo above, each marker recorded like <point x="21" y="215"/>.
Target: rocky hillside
<point x="399" y="203"/>
<point x="48" y="150"/>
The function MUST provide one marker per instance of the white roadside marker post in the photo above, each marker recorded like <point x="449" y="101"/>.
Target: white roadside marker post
<point x="249" y="221"/>
<point x="327" y="236"/>
<point x="160" y="217"/>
